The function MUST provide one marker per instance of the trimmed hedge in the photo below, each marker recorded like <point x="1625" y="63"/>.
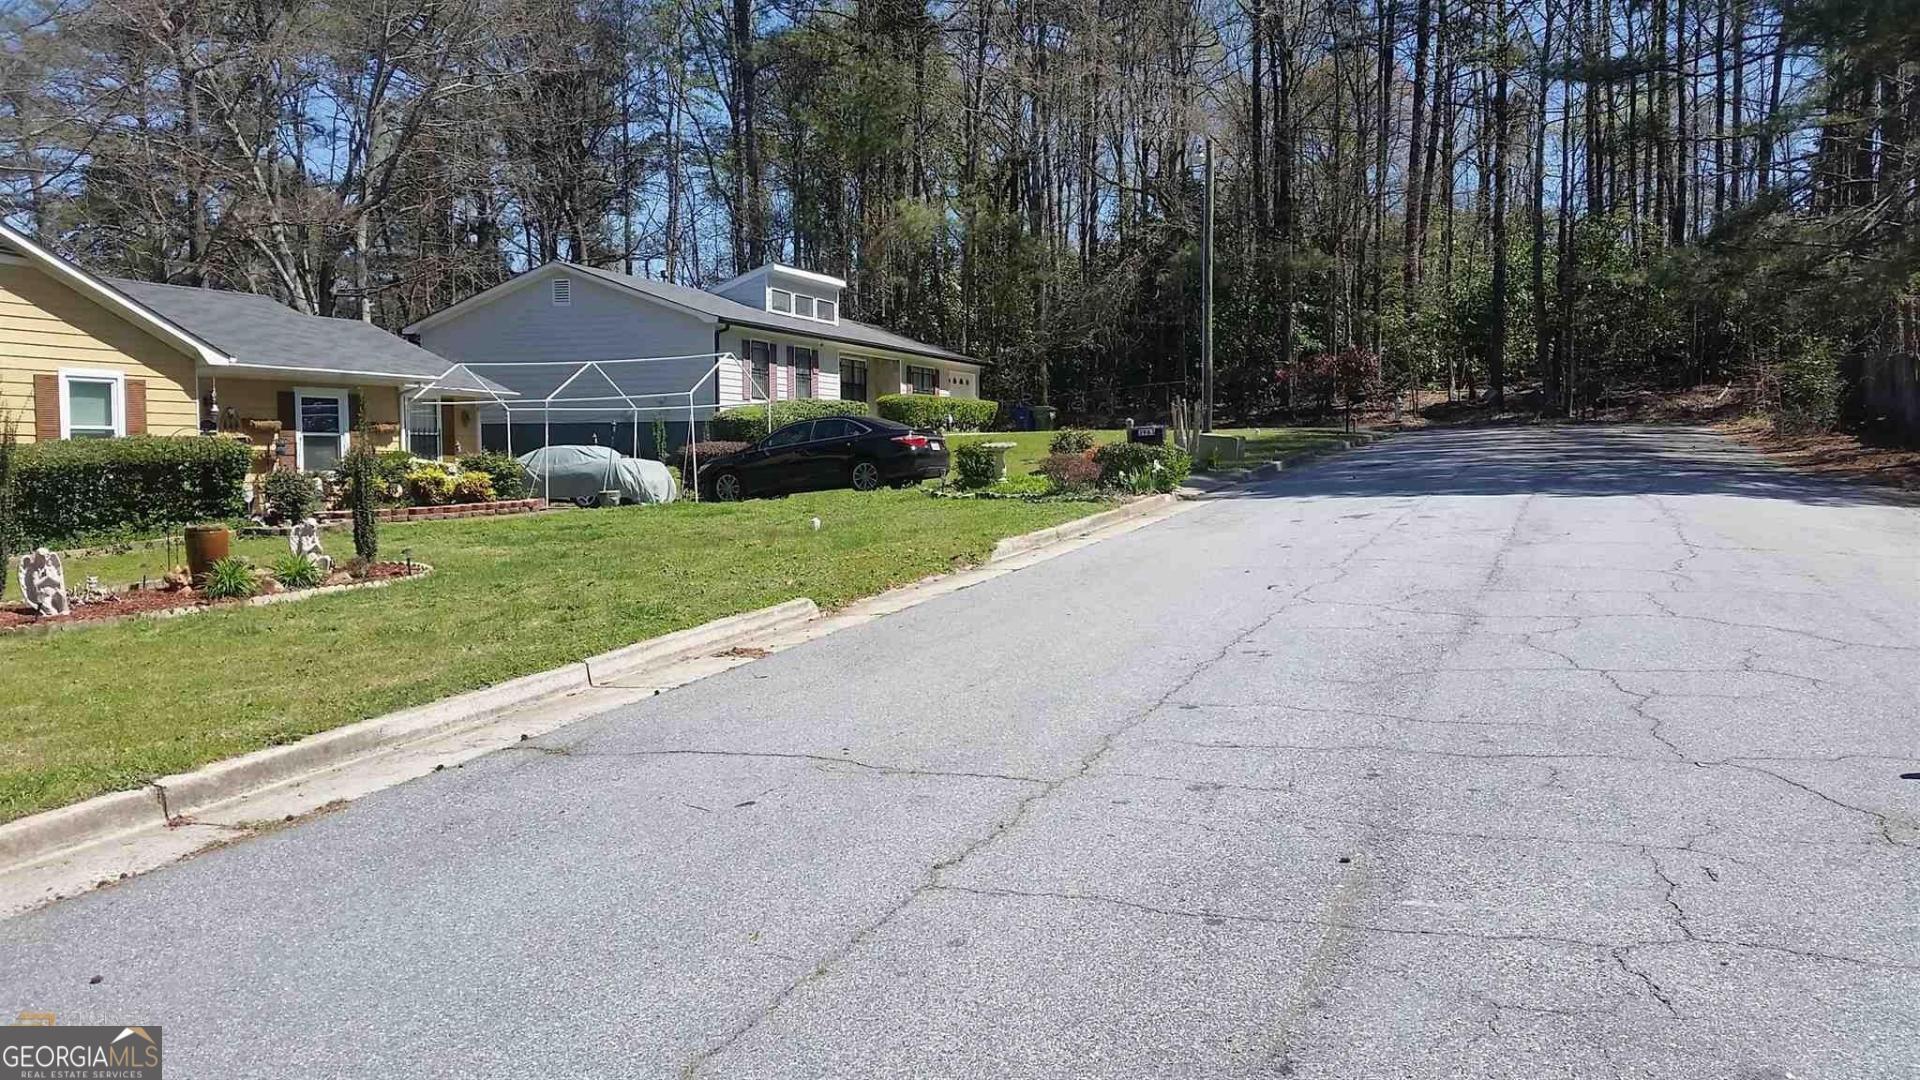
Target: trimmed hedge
<point x="942" y="413"/>
<point x="83" y="489"/>
<point x="746" y="423"/>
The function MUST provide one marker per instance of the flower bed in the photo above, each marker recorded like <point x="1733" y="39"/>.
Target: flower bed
<point x="161" y="602"/>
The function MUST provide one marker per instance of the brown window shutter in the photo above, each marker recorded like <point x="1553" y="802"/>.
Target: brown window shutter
<point x="46" y="407"/>
<point x="136" y="406"/>
<point x="289" y="421"/>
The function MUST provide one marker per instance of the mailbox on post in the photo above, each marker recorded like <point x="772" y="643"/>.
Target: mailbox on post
<point x="1148" y="433"/>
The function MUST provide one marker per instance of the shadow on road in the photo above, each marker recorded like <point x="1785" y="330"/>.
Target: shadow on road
<point x="1577" y="461"/>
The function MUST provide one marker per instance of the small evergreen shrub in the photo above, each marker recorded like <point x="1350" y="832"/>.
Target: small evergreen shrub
<point x="973" y="465"/>
<point x="1142" y="468"/>
<point x="429" y="485"/>
<point x="291" y="496"/>
<point x="364" y="488"/>
<point x="297" y="572"/>
<point x="472" y="487"/>
<point x="746" y="423"/>
<point x="940" y="413"/>
<point x="1071" y="473"/>
<point x="1807" y="384"/>
<point x="509" y="479"/>
<point x="68" y="491"/>
<point x="230" y="579"/>
<point x="392" y="470"/>
<point x="1071" y="441"/>
<point x="10" y="532"/>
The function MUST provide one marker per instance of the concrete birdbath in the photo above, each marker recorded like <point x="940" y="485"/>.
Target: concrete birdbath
<point x="999" y="452"/>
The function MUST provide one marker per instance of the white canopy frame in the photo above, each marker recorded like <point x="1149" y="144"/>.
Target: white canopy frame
<point x="677" y="400"/>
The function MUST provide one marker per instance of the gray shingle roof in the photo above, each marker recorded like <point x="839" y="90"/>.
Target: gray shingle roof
<point x="261" y="331"/>
<point x="846" y="331"/>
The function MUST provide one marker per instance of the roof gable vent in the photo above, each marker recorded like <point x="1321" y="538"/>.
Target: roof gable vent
<point x="562" y="292"/>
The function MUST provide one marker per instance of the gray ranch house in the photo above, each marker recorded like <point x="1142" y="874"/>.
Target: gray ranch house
<point x="783" y="328"/>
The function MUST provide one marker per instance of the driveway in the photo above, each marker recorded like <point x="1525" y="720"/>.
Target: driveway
<point x="1523" y="753"/>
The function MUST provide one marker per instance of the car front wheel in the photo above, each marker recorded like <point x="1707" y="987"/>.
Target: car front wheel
<point x="728" y="488"/>
<point x="866" y="476"/>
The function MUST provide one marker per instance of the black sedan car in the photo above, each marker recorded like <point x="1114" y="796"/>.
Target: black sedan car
<point x="836" y="451"/>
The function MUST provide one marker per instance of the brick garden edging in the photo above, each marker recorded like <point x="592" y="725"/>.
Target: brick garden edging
<point x="439" y="513"/>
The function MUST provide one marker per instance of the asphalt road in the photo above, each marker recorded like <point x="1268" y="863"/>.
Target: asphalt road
<point x="1525" y="753"/>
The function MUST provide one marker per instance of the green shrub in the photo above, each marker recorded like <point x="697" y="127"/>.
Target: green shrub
<point x="472" y="487"/>
<point x="230" y="579"/>
<point x="429" y="485"/>
<point x="1142" y="467"/>
<point x="10" y="538"/>
<point x="1071" y="441"/>
<point x="391" y="473"/>
<point x="71" y="490"/>
<point x="746" y="423"/>
<point x="291" y="496"/>
<point x="940" y="413"/>
<point x="974" y="465"/>
<point x="364" y="489"/>
<point x="1071" y="473"/>
<point x="1808" y="385"/>
<point x="509" y="479"/>
<point x="297" y="572"/>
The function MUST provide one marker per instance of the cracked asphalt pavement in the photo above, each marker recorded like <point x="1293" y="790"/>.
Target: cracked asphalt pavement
<point x="1518" y="753"/>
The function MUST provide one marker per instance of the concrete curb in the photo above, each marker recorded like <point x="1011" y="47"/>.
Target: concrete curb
<point x="181" y="796"/>
<point x="1218" y="484"/>
<point x="1025" y="542"/>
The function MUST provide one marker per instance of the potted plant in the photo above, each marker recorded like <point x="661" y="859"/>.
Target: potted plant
<point x="207" y="543"/>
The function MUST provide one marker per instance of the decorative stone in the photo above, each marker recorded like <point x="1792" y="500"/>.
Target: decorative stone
<point x="92" y="592"/>
<point x="43" y="583"/>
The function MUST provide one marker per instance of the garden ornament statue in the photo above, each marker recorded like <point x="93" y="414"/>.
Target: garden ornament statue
<point x="304" y="539"/>
<point x="43" y="583"/>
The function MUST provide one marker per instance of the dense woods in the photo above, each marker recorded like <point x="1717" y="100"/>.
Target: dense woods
<point x="1478" y="196"/>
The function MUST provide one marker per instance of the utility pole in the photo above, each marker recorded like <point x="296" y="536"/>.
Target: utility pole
<point x="1206" y="299"/>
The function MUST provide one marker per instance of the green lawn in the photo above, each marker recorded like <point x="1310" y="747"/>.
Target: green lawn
<point x="94" y="710"/>
<point x="1263" y="444"/>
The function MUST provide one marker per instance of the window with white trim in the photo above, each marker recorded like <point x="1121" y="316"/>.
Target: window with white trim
<point x="93" y="405"/>
<point x="801" y="306"/>
<point x="322" y="416"/>
<point x="924" y="380"/>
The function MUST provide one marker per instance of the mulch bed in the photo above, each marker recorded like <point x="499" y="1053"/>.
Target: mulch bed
<point x="147" y="601"/>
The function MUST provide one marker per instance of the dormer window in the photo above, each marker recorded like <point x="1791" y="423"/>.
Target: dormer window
<point x="802" y="306"/>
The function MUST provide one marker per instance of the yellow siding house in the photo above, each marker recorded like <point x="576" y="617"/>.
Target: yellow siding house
<point x="84" y="356"/>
